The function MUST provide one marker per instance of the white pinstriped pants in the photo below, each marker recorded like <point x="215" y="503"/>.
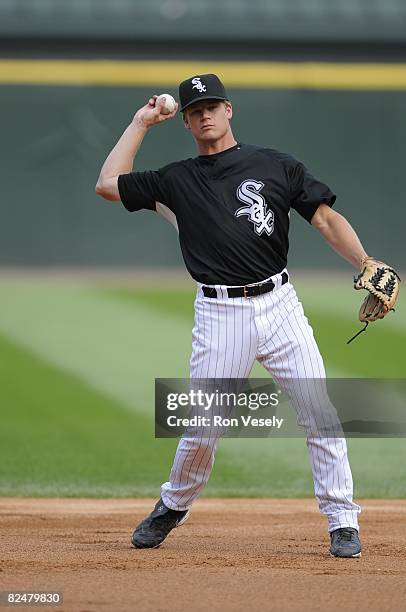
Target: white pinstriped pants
<point x="229" y="334"/>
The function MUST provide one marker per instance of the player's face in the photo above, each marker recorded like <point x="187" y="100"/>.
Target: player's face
<point x="208" y="120"/>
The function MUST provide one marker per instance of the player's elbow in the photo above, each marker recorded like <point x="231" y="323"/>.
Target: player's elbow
<point x="101" y="189"/>
<point x="107" y="189"/>
<point x="323" y="217"/>
<point x="319" y="223"/>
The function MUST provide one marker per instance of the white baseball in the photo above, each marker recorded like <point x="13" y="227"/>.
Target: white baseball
<point x="169" y="105"/>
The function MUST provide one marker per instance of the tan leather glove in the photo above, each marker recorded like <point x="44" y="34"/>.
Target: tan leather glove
<point x="382" y="283"/>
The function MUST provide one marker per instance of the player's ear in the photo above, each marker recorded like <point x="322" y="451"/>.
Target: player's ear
<point x="186" y="121"/>
<point x="229" y="109"/>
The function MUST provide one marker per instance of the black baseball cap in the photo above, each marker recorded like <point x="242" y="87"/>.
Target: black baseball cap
<point x="201" y="87"/>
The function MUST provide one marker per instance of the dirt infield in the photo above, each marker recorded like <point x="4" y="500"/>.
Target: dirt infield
<point x="234" y="554"/>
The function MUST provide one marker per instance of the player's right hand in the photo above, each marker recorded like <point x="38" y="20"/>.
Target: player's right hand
<point x="150" y="114"/>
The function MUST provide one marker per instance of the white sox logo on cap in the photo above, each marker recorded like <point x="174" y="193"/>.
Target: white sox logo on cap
<point x="201" y="87"/>
<point x="197" y="84"/>
<point x="255" y="207"/>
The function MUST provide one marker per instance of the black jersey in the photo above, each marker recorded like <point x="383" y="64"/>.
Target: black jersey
<point x="232" y="209"/>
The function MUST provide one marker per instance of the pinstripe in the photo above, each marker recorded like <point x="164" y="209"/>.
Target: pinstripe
<point x="259" y="321"/>
<point x="339" y="468"/>
<point x="296" y="369"/>
<point x="183" y="456"/>
<point x="202" y="324"/>
<point x="208" y="455"/>
<point x="197" y="445"/>
<point x="319" y="474"/>
<point x="225" y="348"/>
<point x="207" y="444"/>
<point x="333" y="471"/>
<point x="218" y="339"/>
<point x="233" y="335"/>
<point x="326" y="451"/>
<point x="270" y="335"/>
<point x="241" y="310"/>
<point x="211" y="340"/>
<point x="321" y="471"/>
<point x="325" y="444"/>
<point x="176" y="473"/>
<point x="247" y="367"/>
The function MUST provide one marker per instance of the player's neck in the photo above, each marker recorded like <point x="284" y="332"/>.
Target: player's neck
<point x="216" y="146"/>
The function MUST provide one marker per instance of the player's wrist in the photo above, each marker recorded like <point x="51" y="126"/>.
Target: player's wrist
<point x="139" y="124"/>
<point x="362" y="260"/>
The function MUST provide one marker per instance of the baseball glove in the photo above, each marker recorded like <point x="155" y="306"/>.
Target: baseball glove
<point x="382" y="283"/>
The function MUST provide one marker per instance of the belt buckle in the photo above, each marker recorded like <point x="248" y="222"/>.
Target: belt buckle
<point x="245" y="291"/>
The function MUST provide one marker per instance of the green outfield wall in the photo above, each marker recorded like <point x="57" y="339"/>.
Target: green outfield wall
<point x="55" y="139"/>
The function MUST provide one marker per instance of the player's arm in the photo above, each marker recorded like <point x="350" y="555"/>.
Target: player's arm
<point x="121" y="158"/>
<point x="339" y="234"/>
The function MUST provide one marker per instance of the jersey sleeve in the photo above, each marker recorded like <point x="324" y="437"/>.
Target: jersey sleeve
<point x="306" y="192"/>
<point x="141" y="190"/>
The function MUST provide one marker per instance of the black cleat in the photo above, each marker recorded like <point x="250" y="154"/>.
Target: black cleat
<point x="153" y="530"/>
<point x="345" y="543"/>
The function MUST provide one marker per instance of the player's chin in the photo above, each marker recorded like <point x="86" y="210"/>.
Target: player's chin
<point x="208" y="133"/>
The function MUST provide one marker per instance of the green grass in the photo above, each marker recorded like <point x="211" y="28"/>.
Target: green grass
<point x="70" y="430"/>
<point x="178" y="303"/>
<point x="58" y="436"/>
<point x="377" y="353"/>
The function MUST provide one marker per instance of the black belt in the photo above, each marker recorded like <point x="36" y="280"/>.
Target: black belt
<point x="247" y="291"/>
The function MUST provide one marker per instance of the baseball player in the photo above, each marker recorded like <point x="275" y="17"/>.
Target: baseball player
<point x="231" y="206"/>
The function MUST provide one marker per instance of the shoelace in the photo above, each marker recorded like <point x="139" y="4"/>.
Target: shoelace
<point x="166" y="521"/>
<point x="345" y="535"/>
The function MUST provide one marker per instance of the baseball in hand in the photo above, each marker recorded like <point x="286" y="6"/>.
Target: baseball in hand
<point x="169" y="105"/>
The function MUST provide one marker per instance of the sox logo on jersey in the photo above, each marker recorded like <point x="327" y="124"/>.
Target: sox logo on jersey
<point x="255" y="206"/>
